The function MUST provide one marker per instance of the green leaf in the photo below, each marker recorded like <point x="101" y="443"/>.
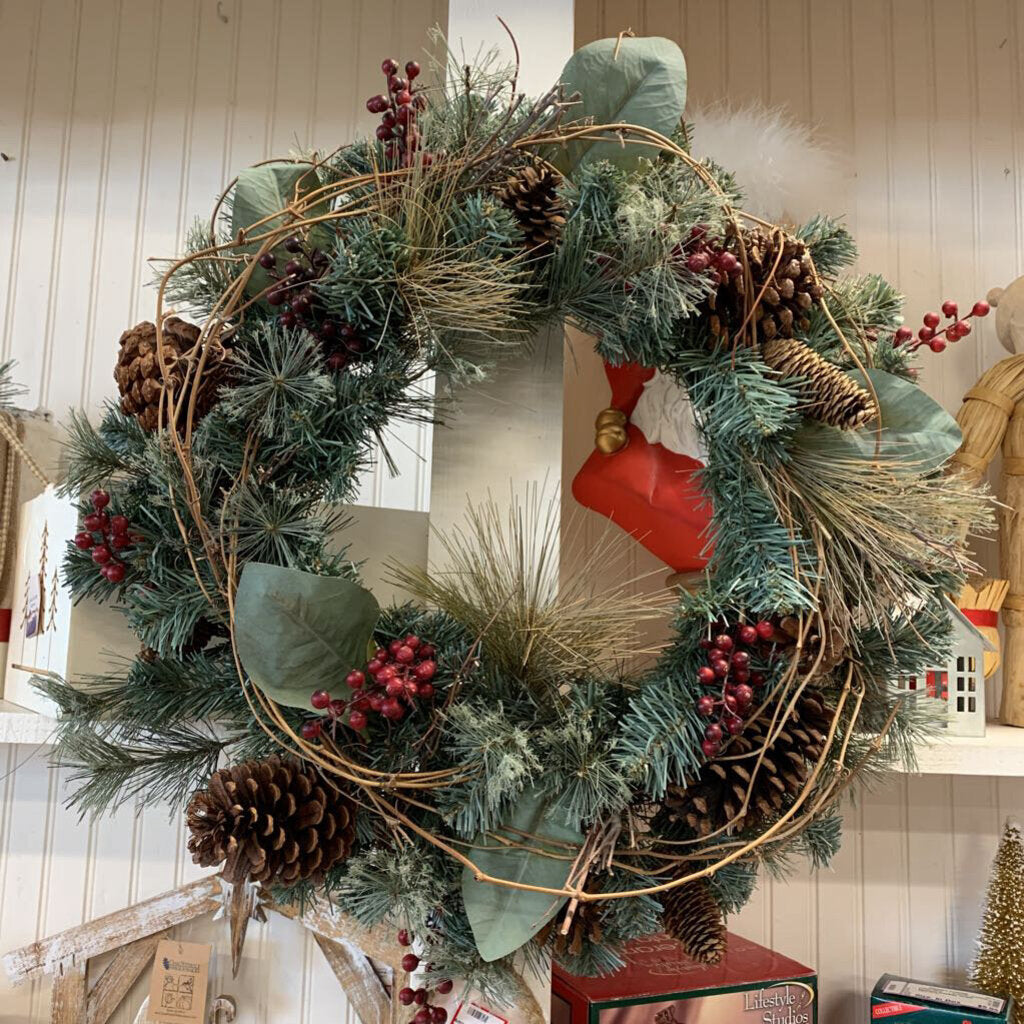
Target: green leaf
<point x="268" y="189"/>
<point x="643" y="84"/>
<point x="297" y="632"/>
<point x="916" y="430"/>
<point x="502" y="918"/>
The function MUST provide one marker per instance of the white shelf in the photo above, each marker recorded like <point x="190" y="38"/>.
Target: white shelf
<point x="999" y="752"/>
<point x="19" y="725"/>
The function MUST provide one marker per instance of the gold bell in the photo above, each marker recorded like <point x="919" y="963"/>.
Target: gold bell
<point x="610" y="426"/>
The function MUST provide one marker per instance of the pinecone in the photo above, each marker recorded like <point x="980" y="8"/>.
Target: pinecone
<point x="532" y="196"/>
<point x="817" y="639"/>
<point x="791" y="291"/>
<point x="585" y="927"/>
<point x="828" y="394"/>
<point x="692" y="917"/>
<point x="138" y="370"/>
<point x="715" y="799"/>
<point x="270" y="821"/>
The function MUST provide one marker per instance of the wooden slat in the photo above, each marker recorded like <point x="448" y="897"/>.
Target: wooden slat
<point x="114" y="930"/>
<point x="119" y="976"/>
<point x="359" y="981"/>
<point x="67" y="1003"/>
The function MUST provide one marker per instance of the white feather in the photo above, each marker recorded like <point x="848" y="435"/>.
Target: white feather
<point x="784" y="172"/>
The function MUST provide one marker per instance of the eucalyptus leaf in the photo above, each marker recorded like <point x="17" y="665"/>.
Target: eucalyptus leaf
<point x="297" y="632"/>
<point x="916" y="430"/>
<point x="643" y="83"/>
<point x="265" y="190"/>
<point x="503" y="918"/>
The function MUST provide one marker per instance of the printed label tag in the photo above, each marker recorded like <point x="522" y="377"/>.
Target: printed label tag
<point x="474" y="1013"/>
<point x="177" y="989"/>
<point x="957" y="997"/>
<point x="882" y="1010"/>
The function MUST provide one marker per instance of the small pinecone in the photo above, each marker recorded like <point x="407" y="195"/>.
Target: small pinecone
<point x="790" y="293"/>
<point x="138" y="370"/>
<point x="829" y="394"/>
<point x="692" y="917"/>
<point x="532" y="196"/>
<point x="825" y="641"/>
<point x="270" y="821"/>
<point x="714" y="800"/>
<point x="585" y="927"/>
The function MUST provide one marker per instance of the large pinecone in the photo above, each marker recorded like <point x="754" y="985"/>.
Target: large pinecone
<point x="715" y="799"/>
<point x="532" y="196"/>
<point x="691" y="915"/>
<point x="270" y="821"/>
<point x="138" y="370"/>
<point x="828" y="394"/>
<point x="789" y="291"/>
<point x="584" y="927"/>
<point x="818" y="639"/>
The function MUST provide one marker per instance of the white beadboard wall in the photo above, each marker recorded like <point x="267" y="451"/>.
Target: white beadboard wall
<point x="923" y="101"/>
<point x="120" y="120"/>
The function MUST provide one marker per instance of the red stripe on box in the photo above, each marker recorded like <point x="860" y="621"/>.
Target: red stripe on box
<point x="981" y="616"/>
<point x="882" y="1010"/>
<point x="5" y="625"/>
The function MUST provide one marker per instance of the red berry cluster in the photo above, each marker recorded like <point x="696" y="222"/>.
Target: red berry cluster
<point x="301" y="306"/>
<point x="114" y="535"/>
<point x="703" y="254"/>
<point x="930" y="335"/>
<point x="398" y="108"/>
<point x="394" y="679"/>
<point x="426" y="1014"/>
<point x="728" y="671"/>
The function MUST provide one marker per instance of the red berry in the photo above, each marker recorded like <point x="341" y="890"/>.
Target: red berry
<point x="404" y="114"/>
<point x="412" y="640"/>
<point x="405" y="996"/>
<point x="355" y="679"/>
<point x="404" y="655"/>
<point x="713" y="732"/>
<point x="100" y="500"/>
<point x="310" y="730"/>
<point x="381" y="655"/>
<point x="720" y="668"/>
<point x="410" y="962"/>
<point x="422" y="1016"/>
<point x="404" y="939"/>
<point x="404" y="97"/>
<point x="425" y="671"/>
<point x="395" y="687"/>
<point x="728" y="262"/>
<point x="96" y="522"/>
<point x="980" y="308"/>
<point x="412" y="69"/>
<point x="724" y="642"/>
<point x="426" y="651"/>
<point x="705" y="675"/>
<point x="740" y="659"/>
<point x="953" y="332"/>
<point x="734" y="725"/>
<point x="386" y="673"/>
<point x="963" y="328"/>
<point x="931" y="320"/>
<point x="394" y="645"/>
<point x="83" y="541"/>
<point x="377" y="702"/>
<point x="119" y="524"/>
<point x="698" y="262"/>
<point x="336" y="708"/>
<point x="438" y="1014"/>
<point x="320" y="699"/>
<point x="383" y="132"/>
<point x="120" y="541"/>
<point x="729" y="700"/>
<point x="389" y="66"/>
<point x="740" y="675"/>
<point x="709" y="747"/>
<point x="744" y="695"/>
<point x="757" y="678"/>
<point x="904" y="334"/>
<point x="357" y="720"/>
<point x="426" y="690"/>
<point x="396" y="84"/>
<point x="765" y="630"/>
<point x="747" y="635"/>
<point x="706" y="705"/>
<point x="114" y="571"/>
<point x="101" y="554"/>
<point x="950" y="308"/>
<point x="445" y="986"/>
<point x="393" y="711"/>
<point x="377" y="104"/>
<point x="937" y="344"/>
<point x="420" y="996"/>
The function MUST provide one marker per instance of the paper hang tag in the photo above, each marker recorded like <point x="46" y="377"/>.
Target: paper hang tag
<point x="177" y="989"/>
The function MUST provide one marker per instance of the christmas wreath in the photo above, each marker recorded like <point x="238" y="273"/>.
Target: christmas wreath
<point x="477" y="766"/>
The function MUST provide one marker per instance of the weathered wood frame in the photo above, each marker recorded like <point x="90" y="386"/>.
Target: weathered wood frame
<point x="135" y="931"/>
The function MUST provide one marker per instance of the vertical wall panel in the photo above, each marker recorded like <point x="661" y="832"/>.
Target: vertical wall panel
<point x="122" y="120"/>
<point x="921" y="101"/>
